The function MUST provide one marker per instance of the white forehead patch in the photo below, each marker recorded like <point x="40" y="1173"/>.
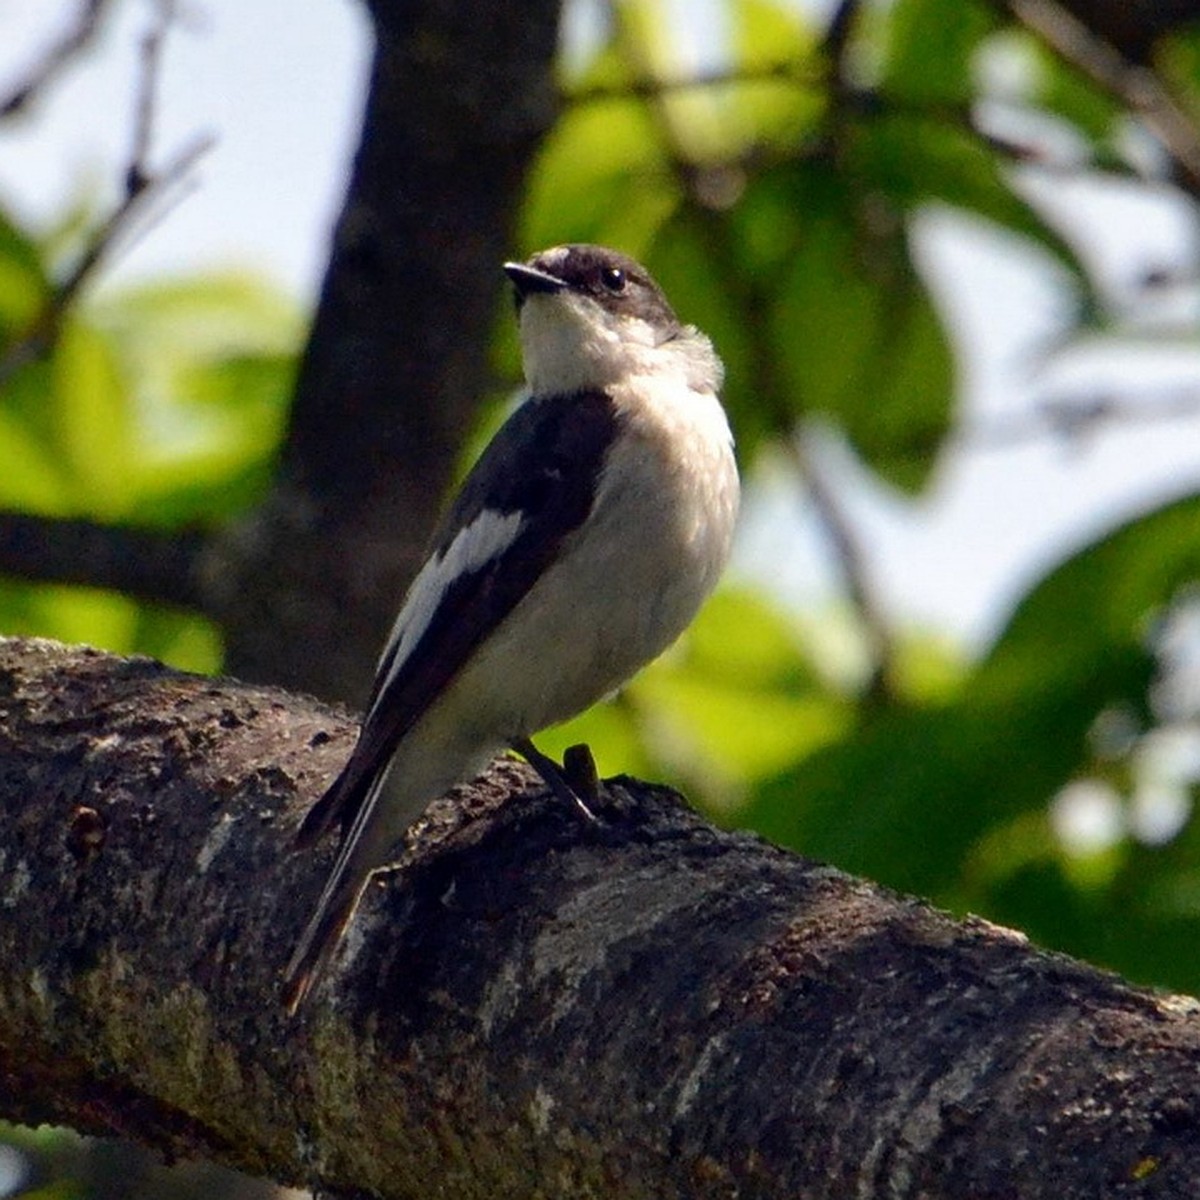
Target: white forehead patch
<point x="554" y="257"/>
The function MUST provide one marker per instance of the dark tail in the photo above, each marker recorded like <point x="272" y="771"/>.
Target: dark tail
<point x="349" y="801"/>
<point x="339" y="805"/>
<point x="319" y="942"/>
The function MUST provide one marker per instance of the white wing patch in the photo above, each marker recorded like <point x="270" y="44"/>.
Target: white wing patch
<point x="487" y="537"/>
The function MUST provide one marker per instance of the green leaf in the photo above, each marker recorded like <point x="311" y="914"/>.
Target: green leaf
<point x="219" y="315"/>
<point x="218" y="456"/>
<point x="908" y="796"/>
<point x="856" y="333"/>
<point x="603" y="176"/>
<point x="763" y="34"/>
<point x="785" y="110"/>
<point x="24" y="285"/>
<point x="1062" y="90"/>
<point x="31" y="478"/>
<point x="92" y="406"/>
<point x="215" y="363"/>
<point x="930" y="45"/>
<point x="916" y="160"/>
<point x="186" y="641"/>
<point x="1098" y="604"/>
<point x="116" y="622"/>
<point x="721" y="737"/>
<point x="68" y="614"/>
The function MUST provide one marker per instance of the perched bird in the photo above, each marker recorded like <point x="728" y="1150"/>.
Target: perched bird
<point x="579" y="548"/>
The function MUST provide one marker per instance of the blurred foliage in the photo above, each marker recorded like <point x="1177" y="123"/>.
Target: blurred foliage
<point x="774" y="198"/>
<point x="156" y="405"/>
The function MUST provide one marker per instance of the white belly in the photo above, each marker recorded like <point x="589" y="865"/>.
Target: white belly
<point x="625" y="587"/>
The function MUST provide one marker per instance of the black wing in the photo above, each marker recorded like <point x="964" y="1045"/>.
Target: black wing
<point x="545" y="465"/>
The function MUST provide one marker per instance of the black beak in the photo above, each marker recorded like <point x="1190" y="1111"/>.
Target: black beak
<point x="527" y="279"/>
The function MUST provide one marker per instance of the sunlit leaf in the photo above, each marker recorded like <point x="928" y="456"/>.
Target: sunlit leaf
<point x="855" y="330"/>
<point x="93" y="408"/>
<point x="185" y="640"/>
<point x="784" y="110"/>
<point x="723" y="735"/>
<point x="603" y="176"/>
<point x="930" y="48"/>
<point x="916" y="159"/>
<point x="914" y="792"/>
<point x="220" y="456"/>
<point x="32" y="476"/>
<point x="68" y="614"/>
<point x="1061" y="89"/>
<point x="221" y="313"/>
<point x="24" y="285"/>
<point x="763" y="33"/>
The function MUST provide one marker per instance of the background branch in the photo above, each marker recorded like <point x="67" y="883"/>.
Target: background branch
<point x="1122" y="72"/>
<point x="49" y="65"/>
<point x="141" y="185"/>
<point x="158" y="566"/>
<point x="853" y="565"/>
<point x="1074" y="418"/>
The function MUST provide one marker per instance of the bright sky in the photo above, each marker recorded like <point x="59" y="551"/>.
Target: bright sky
<point x="279" y="84"/>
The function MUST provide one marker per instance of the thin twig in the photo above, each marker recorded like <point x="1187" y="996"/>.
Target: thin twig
<point x="69" y="46"/>
<point x="848" y="554"/>
<point x="808" y="74"/>
<point x="141" y="185"/>
<point x="852" y="562"/>
<point x="43" y="331"/>
<point x="839" y="37"/>
<point x="1138" y="86"/>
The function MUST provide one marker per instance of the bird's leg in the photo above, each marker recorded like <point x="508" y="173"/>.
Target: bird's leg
<point x="579" y="770"/>
<point x="553" y="775"/>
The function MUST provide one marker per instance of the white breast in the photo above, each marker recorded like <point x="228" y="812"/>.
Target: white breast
<point x="630" y="581"/>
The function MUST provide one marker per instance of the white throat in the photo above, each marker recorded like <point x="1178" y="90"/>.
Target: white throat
<point x="569" y="344"/>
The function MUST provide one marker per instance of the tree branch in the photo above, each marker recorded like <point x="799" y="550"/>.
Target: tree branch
<point x="140" y="185"/>
<point x="1134" y="27"/>
<point x="1131" y="80"/>
<point x="854" y="567"/>
<point x="1077" y="419"/>
<point x="77" y="38"/>
<point x="153" y="565"/>
<point x="525" y="1008"/>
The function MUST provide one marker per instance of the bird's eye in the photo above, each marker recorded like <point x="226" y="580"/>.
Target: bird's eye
<point x="613" y="278"/>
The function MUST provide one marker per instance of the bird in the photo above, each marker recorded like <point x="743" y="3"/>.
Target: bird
<point x="578" y="548"/>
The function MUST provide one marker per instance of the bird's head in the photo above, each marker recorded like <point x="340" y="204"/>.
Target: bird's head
<point x="591" y="316"/>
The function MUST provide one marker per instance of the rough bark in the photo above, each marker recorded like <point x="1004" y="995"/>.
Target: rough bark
<point x="528" y="1007"/>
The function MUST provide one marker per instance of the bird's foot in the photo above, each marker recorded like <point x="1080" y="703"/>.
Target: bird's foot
<point x="579" y="770"/>
<point x="571" y="782"/>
